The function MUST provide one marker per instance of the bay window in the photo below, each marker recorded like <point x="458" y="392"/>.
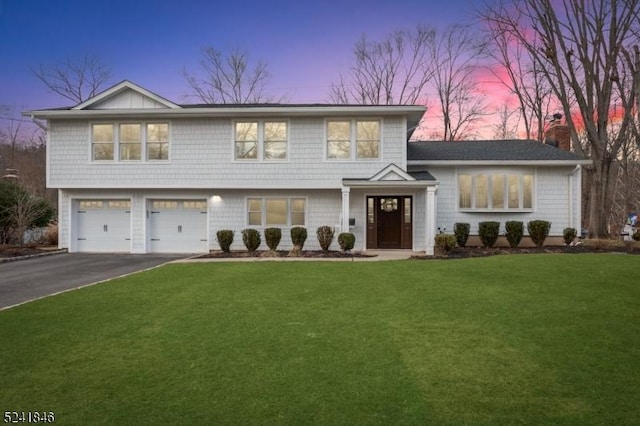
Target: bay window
<point x="495" y="191"/>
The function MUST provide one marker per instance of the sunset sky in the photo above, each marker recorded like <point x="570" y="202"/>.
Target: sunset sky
<point x="305" y="43"/>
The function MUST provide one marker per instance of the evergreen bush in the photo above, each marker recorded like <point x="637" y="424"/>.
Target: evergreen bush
<point x="346" y="240"/>
<point x="489" y="232"/>
<point x="514" y="231"/>
<point x="569" y="234"/>
<point x="251" y="239"/>
<point x="272" y="237"/>
<point x="538" y="231"/>
<point x="225" y="239"/>
<point x="446" y="242"/>
<point x="461" y="231"/>
<point x="325" y="236"/>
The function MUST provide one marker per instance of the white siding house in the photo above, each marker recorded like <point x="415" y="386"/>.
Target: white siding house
<point x="138" y="173"/>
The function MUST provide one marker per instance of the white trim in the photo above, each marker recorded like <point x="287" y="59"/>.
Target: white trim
<point x="391" y="168"/>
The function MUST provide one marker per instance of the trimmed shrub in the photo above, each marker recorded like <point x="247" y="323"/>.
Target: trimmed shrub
<point x="461" y="231"/>
<point x="225" y="239"/>
<point x="325" y="236"/>
<point x="489" y="232"/>
<point x="251" y="239"/>
<point x="446" y="242"/>
<point x="346" y="240"/>
<point x="298" y="237"/>
<point x="514" y="231"/>
<point x="272" y="237"/>
<point x="569" y="234"/>
<point x="538" y="231"/>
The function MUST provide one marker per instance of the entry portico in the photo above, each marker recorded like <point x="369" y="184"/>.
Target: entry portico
<point x="398" y="208"/>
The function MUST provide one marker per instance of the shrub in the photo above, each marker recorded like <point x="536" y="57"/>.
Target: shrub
<point x="298" y="237"/>
<point x="272" y="237"/>
<point x="569" y="234"/>
<point x="225" y="239"/>
<point x="325" y="236"/>
<point x="461" y="231"/>
<point x="446" y="242"/>
<point x="538" y="231"/>
<point x="636" y="235"/>
<point x="346" y="240"/>
<point x="251" y="239"/>
<point x="514" y="230"/>
<point x="489" y="232"/>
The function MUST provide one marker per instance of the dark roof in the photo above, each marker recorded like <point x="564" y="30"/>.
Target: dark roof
<point x="492" y="150"/>
<point x="421" y="175"/>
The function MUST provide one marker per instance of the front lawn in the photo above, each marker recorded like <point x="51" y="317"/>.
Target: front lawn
<point x="533" y="339"/>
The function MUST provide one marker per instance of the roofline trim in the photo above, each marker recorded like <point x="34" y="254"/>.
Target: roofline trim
<point x="498" y="162"/>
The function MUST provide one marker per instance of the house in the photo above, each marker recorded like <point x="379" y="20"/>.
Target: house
<point x="138" y="173"/>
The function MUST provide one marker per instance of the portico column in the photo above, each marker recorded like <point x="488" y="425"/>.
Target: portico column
<point x="345" y="209"/>
<point x="430" y="213"/>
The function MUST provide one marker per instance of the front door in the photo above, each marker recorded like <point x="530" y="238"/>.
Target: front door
<point x="389" y="222"/>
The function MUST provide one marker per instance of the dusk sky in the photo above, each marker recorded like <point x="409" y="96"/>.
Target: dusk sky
<point x="305" y="43"/>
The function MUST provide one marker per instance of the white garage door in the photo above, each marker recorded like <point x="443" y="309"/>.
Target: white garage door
<point x="178" y="226"/>
<point x="103" y="225"/>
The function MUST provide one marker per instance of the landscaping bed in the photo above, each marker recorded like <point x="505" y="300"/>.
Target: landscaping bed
<point x="331" y="254"/>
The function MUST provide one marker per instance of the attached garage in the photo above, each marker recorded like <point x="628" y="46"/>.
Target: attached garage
<point x="177" y="226"/>
<point x="102" y="225"/>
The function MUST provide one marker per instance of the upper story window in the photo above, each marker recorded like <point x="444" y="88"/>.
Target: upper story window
<point x="353" y="139"/>
<point x="261" y="140"/>
<point x="495" y="191"/>
<point x="128" y="141"/>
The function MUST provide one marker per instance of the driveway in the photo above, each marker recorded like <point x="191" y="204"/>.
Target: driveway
<point x="35" y="278"/>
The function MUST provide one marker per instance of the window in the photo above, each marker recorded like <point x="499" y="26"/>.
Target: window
<point x="349" y="139"/>
<point x="276" y="211"/>
<point x="195" y="205"/>
<point x="157" y="141"/>
<point x="102" y="142"/>
<point x="261" y="140"/>
<point x="495" y="191"/>
<point x="120" y="204"/>
<point x="86" y="205"/>
<point x="132" y="140"/>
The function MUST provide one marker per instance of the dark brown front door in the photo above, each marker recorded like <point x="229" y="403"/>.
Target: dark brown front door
<point x="389" y="222"/>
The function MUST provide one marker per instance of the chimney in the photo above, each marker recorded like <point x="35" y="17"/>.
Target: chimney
<point x="557" y="134"/>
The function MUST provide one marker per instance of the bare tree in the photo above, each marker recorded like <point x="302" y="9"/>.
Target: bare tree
<point x="522" y="76"/>
<point x="454" y="58"/>
<point x="230" y="79"/>
<point x="76" y="80"/>
<point x="505" y="128"/>
<point x="579" y="46"/>
<point x="395" y="70"/>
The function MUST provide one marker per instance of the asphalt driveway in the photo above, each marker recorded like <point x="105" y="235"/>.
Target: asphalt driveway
<point x="34" y="278"/>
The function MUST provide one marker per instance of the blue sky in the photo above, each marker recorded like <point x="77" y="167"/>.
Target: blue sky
<point x="305" y="43"/>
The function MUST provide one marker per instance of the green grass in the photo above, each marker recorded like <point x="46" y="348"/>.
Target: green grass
<point x="530" y="339"/>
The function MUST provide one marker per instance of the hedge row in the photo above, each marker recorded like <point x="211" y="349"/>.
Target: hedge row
<point x="514" y="231"/>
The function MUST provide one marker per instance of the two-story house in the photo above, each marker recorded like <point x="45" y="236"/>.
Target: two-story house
<point x="138" y="173"/>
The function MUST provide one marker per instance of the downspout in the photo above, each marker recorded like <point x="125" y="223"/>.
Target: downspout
<point x="575" y="212"/>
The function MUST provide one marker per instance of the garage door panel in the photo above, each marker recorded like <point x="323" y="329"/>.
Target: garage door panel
<point x="178" y="226"/>
<point x="103" y="226"/>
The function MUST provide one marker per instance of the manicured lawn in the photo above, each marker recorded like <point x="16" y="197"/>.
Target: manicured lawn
<point x="529" y="339"/>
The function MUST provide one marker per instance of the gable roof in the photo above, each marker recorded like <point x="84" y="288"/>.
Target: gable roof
<point x="489" y="151"/>
<point x="121" y="87"/>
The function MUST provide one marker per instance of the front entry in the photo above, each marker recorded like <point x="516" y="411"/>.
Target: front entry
<point x="389" y="222"/>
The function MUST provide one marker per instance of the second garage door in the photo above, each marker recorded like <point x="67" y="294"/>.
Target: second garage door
<point x="178" y="226"/>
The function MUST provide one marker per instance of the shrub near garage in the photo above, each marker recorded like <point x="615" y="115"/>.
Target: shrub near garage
<point x="225" y="239"/>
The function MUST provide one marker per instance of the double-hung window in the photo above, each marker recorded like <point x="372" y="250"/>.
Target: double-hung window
<point x="261" y="140"/>
<point x="276" y="211"/>
<point x="102" y="141"/>
<point x="495" y="191"/>
<point x="353" y="139"/>
<point x="128" y="141"/>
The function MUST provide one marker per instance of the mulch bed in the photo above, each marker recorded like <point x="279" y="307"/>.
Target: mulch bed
<point x="14" y="251"/>
<point x="283" y="253"/>
<point x="468" y="252"/>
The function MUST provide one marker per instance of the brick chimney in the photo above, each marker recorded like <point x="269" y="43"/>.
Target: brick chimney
<point x="557" y="134"/>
